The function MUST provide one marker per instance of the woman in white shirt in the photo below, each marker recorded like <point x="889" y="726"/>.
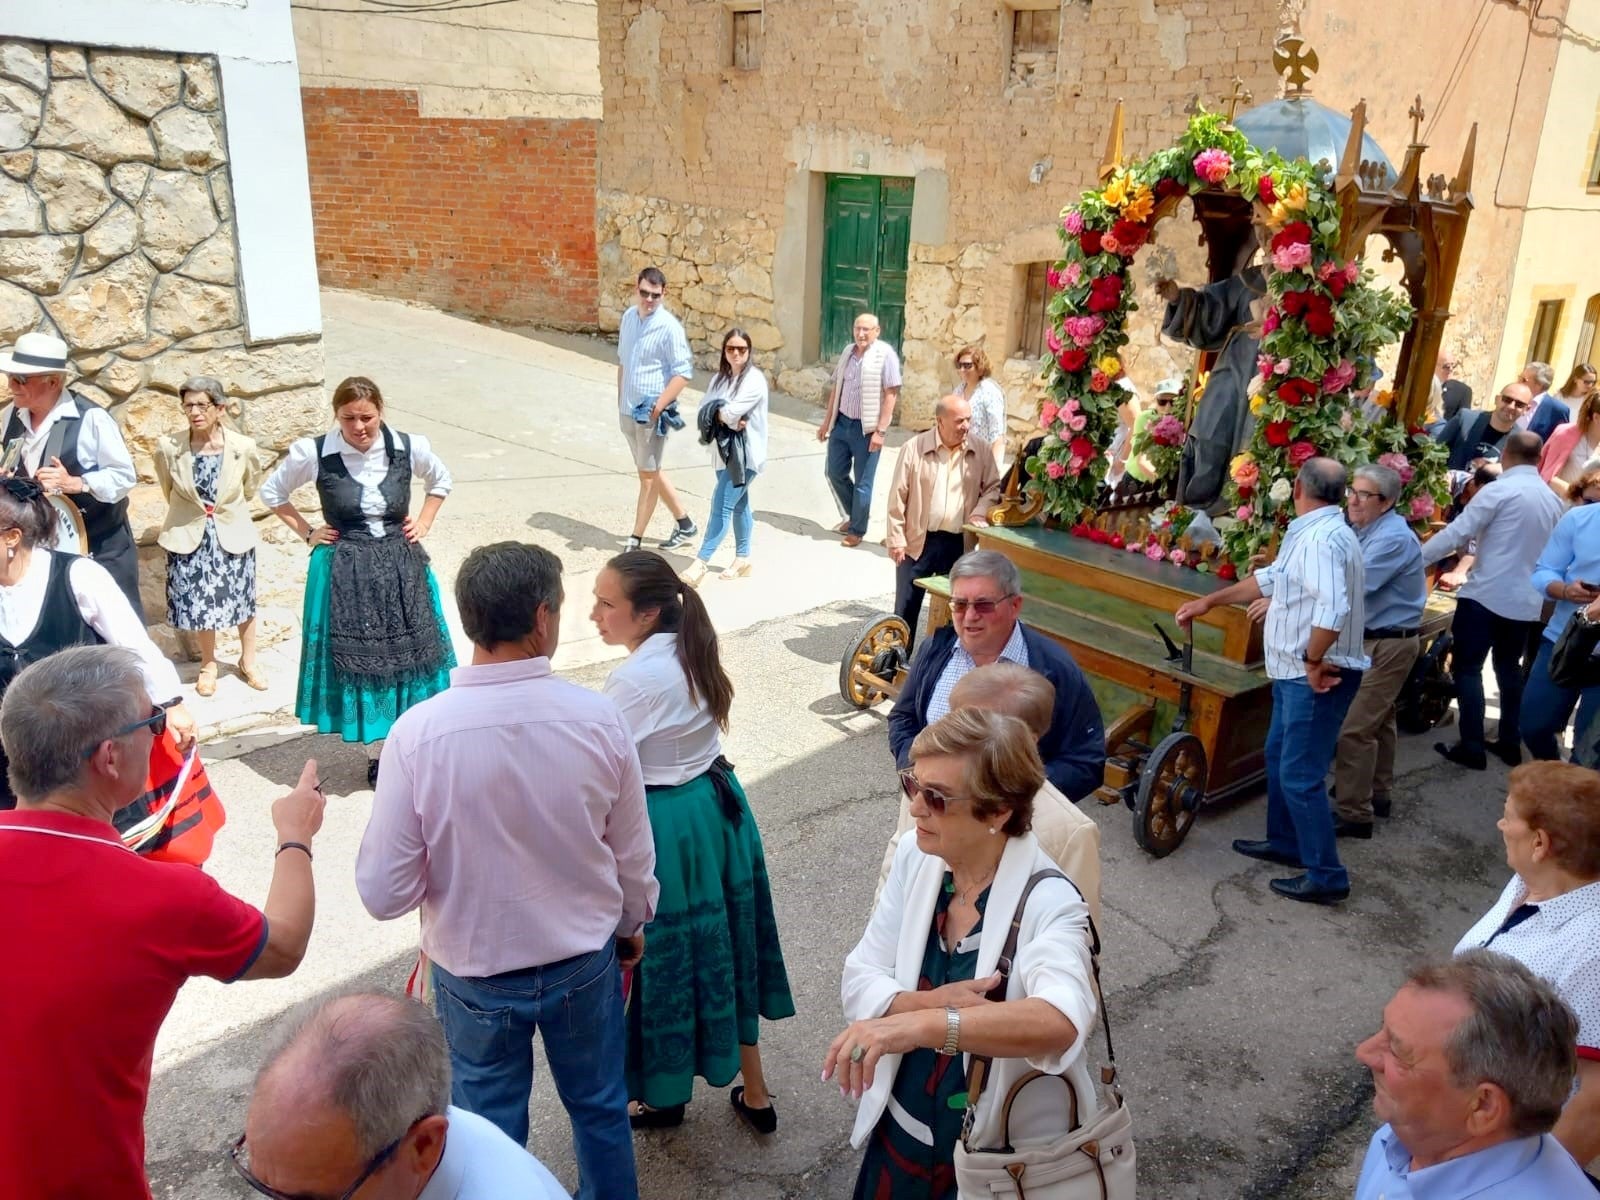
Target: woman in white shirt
<point x="50" y="601"/>
<point x="712" y="964"/>
<point x="741" y="390"/>
<point x="988" y="402"/>
<point x="373" y="637"/>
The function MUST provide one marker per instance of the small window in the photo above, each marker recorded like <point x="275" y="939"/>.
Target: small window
<point x="1035" y="38"/>
<point x="746" y="38"/>
<point x="1586" y="341"/>
<point x="1546" y="323"/>
<point x="1035" y="296"/>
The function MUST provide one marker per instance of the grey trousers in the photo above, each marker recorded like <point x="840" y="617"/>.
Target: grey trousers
<point x="1364" y="761"/>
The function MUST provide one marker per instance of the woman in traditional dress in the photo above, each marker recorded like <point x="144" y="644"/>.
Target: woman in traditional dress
<point x="207" y="476"/>
<point x="373" y="635"/>
<point x="712" y="965"/>
<point x="50" y="601"/>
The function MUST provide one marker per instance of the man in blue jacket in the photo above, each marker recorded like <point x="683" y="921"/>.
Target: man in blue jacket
<point x="986" y="602"/>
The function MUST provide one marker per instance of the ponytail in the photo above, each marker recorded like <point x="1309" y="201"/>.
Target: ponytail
<point x="649" y="582"/>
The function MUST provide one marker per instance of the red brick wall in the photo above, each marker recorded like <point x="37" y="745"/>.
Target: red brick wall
<point x="491" y="218"/>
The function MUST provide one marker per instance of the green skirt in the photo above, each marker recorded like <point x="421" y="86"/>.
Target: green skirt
<point x="712" y="964"/>
<point x="358" y="708"/>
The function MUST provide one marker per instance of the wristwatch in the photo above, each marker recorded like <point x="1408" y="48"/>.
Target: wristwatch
<point x="1309" y="661"/>
<point x="952" y="1032"/>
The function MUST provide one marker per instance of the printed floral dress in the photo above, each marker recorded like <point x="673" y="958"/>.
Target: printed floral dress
<point x="210" y="588"/>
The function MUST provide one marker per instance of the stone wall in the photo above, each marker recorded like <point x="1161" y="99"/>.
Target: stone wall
<point x="118" y="233"/>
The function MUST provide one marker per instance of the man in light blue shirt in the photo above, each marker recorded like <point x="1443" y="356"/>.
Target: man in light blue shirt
<point x="653" y="366"/>
<point x="1568" y="572"/>
<point x="1470" y="1070"/>
<point x="1396" y="590"/>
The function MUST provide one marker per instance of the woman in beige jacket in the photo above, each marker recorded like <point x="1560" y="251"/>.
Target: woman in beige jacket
<point x="207" y="476"/>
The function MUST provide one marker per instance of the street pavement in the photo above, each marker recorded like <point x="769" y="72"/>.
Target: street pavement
<point x="1234" y="1013"/>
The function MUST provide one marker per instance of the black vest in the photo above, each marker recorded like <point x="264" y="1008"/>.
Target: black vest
<point x="101" y="521"/>
<point x="341" y="493"/>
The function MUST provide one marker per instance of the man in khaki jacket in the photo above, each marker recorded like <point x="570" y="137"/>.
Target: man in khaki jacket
<point x="1067" y="836"/>
<point x="942" y="481"/>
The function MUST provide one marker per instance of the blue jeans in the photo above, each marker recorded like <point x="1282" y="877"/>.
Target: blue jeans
<point x="1546" y="708"/>
<point x="576" y="1005"/>
<point x="1300" y="745"/>
<point x="729" y="505"/>
<point x="848" y="447"/>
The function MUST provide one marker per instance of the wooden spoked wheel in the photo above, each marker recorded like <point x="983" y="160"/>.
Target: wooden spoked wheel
<point x="875" y="662"/>
<point x="1171" y="788"/>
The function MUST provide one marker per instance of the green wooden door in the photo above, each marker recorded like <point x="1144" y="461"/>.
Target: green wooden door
<point x="866" y="240"/>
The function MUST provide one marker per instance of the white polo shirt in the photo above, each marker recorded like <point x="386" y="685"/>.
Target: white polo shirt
<point x="481" y="1163"/>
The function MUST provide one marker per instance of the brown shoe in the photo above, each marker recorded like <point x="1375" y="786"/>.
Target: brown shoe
<point x="843" y="526"/>
<point x="206" y="683"/>
<point x="852" y="539"/>
<point x="253" y="677"/>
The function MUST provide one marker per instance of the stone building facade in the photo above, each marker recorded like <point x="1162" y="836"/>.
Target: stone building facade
<point x="726" y="167"/>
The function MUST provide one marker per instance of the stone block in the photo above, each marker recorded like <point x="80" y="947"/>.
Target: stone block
<point x="88" y="364"/>
<point x="188" y="139"/>
<point x="148" y="348"/>
<point x="105" y="308"/>
<point x="20" y="211"/>
<point x="183" y="307"/>
<point x="40" y="264"/>
<point x="26" y="63"/>
<point x="128" y="180"/>
<point x="109" y="238"/>
<point x="213" y="260"/>
<point x="765" y="337"/>
<point x="809" y="385"/>
<point x="200" y="85"/>
<point x="220" y="339"/>
<point x="121" y="377"/>
<point x="144" y="84"/>
<point x="277" y="421"/>
<point x="244" y="372"/>
<point x="78" y="118"/>
<point x="68" y="62"/>
<point x="750" y="309"/>
<point x="73" y="189"/>
<point x="969" y="326"/>
<point x="221" y="193"/>
<point x="19" y="313"/>
<point x="177" y="216"/>
<point x="750" y="279"/>
<point x="145" y="418"/>
<point x="93" y="394"/>
<point x="21" y="110"/>
<point x="18" y="164"/>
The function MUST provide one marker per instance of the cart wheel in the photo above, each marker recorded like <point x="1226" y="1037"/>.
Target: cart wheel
<point x="876" y="656"/>
<point x="1171" y="787"/>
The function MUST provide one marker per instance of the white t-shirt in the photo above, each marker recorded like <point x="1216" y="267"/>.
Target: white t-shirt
<point x="481" y="1163"/>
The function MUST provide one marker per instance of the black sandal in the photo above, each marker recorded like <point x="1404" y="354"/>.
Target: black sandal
<point x="762" y="1120"/>
<point x="656" y="1118"/>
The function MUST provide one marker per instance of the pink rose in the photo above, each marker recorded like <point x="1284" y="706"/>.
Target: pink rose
<point x="1292" y="257"/>
<point x="1283" y="367"/>
<point x="1247" y="475"/>
<point x="1269" y="323"/>
<point x="1351" y="272"/>
<point x="1244" y="512"/>
<point x="1300" y="453"/>
<point x="1083" y="330"/>
<point x="1053" y="278"/>
<point x="1073" y="222"/>
<point x="1069" y="406"/>
<point x="1336" y="378"/>
<point x="1178" y="556"/>
<point x="1053" y="340"/>
<point x="1154" y="552"/>
<point x="1213" y="165"/>
<point x="1077" y="423"/>
<point x="1264" y="364"/>
<point x="1047" y="414"/>
<point x="1055" y="469"/>
<point x="1134" y="547"/>
<point x="1071" y="273"/>
<point x="1399" y="464"/>
<point x="1421" y="506"/>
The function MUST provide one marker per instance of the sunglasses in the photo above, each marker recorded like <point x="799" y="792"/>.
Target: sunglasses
<point x="157" y="721"/>
<point x="1514" y="402"/>
<point x="735" y="349"/>
<point x="648" y="295"/>
<point x="1163" y="401"/>
<point x="374" y="1164"/>
<point x="915" y="789"/>
<point x="965" y="366"/>
<point x="984" y="608"/>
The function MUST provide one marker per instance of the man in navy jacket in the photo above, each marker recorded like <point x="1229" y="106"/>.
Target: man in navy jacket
<point x="986" y="602"/>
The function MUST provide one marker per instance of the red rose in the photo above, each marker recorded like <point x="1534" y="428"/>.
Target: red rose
<point x="1265" y="190"/>
<point x="1227" y="572"/>
<point x="1319" y="317"/>
<point x="1295" y="231"/>
<point x="1081" y="529"/>
<point x="1296" y="391"/>
<point x="1118" y="542"/>
<point x="1277" y="433"/>
<point x="1100" y="537"/>
<point x="1081" y="447"/>
<point x="1089" y="242"/>
<point x="1300" y="452"/>
<point x="1105" y="293"/>
<point x="1168" y="186"/>
<point x="1073" y="360"/>
<point x="1294" y="303"/>
<point x="1130" y="236"/>
<point x="1337" y="284"/>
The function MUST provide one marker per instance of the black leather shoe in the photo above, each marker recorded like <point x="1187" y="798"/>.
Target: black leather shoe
<point x="1352" y="829"/>
<point x="1510" y="755"/>
<point x="1265" y="852"/>
<point x="1461" y="757"/>
<point x="1382" y="805"/>
<point x="657" y="1118"/>
<point x="1300" y="888"/>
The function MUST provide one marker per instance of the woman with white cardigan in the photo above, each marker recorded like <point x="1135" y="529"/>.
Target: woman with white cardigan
<point x="915" y="986"/>
<point x="741" y="390"/>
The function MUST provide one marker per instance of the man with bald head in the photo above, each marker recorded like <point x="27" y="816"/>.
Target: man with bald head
<point x="943" y="479"/>
<point x="866" y="385"/>
<point x="1474" y="434"/>
<point x="354" y="1099"/>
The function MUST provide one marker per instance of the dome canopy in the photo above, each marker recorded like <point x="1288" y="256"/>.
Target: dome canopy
<point x="1300" y="127"/>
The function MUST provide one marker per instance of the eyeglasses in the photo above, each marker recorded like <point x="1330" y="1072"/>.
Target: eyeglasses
<point x="22" y="380"/>
<point x="645" y="294"/>
<point x="984" y="607"/>
<point x="157" y="721"/>
<point x="195" y="405"/>
<point x="914" y="789"/>
<point x="1514" y="402"/>
<point x="966" y="366"/>
<point x="1359" y="494"/>
<point x="374" y="1164"/>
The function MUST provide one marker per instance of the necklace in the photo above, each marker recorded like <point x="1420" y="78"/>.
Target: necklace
<point x="965" y="895"/>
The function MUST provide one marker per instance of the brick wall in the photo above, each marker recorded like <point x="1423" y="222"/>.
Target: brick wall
<point x="488" y="218"/>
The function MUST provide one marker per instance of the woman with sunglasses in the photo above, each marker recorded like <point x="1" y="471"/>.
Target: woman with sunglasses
<point x="50" y="601"/>
<point x="207" y="476"/>
<point x="712" y="965"/>
<point x="1571" y="448"/>
<point x="373" y="637"/>
<point x="739" y="393"/>
<point x="917" y="988"/>
<point x="988" y="402"/>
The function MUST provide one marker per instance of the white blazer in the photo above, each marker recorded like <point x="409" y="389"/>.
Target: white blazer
<point x="1052" y="964"/>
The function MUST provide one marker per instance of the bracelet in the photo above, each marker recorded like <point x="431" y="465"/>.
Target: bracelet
<point x="294" y="846"/>
<point x="952" y="1032"/>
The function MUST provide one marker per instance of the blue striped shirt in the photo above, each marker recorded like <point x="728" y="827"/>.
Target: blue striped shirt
<point x="1317" y="581"/>
<point x="652" y="352"/>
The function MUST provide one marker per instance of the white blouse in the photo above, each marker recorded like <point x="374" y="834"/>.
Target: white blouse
<point x="103" y="607"/>
<point x="678" y="737"/>
<point x="988" y="412"/>
<point x="301" y="464"/>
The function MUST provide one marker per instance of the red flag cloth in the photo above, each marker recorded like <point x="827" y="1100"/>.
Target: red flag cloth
<point x="177" y="816"/>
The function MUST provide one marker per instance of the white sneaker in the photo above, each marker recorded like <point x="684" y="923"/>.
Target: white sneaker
<point x="694" y="573"/>
<point x="739" y="569"/>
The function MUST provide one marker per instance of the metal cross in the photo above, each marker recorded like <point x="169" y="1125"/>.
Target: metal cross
<point x="1295" y="61"/>
<point x="1416" y="114"/>
<point x="1241" y="95"/>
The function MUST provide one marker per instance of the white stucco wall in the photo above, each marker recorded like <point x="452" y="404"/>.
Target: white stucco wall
<point x="254" y="44"/>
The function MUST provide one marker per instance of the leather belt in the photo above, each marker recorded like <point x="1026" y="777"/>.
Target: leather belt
<point x="1390" y="631"/>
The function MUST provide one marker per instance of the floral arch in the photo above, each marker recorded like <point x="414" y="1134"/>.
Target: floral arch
<point x="1327" y="319"/>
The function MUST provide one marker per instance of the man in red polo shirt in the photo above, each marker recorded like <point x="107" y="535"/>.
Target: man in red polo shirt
<point x="97" y="941"/>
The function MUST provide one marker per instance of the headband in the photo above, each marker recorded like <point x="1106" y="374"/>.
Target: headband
<point x="21" y="488"/>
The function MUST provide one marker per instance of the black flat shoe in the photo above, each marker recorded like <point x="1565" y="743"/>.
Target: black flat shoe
<point x="1382" y="805"/>
<point x="762" y="1120"/>
<point x="1300" y="888"/>
<point x="657" y="1118"/>
<point x="1461" y="757"/>
<point x="1352" y="829"/>
<point x="1510" y="755"/>
<point x="372" y="772"/>
<point x="1265" y="852"/>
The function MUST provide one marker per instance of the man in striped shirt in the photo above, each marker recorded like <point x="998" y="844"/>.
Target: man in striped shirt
<point x="653" y="366"/>
<point x="1315" y="661"/>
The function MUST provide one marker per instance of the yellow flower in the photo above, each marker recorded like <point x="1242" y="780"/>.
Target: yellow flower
<point x="1240" y="460"/>
<point x="1140" y="205"/>
<point x="1278" y="216"/>
<point x="1116" y="193"/>
<point x="1295" y="199"/>
<point x="1384" y="398"/>
<point x="1257" y="403"/>
<point x="1111" y="365"/>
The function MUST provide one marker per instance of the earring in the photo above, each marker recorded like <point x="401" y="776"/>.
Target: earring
<point x="993" y="831"/>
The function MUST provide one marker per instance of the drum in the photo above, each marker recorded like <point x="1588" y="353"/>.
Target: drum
<point x="71" y="536"/>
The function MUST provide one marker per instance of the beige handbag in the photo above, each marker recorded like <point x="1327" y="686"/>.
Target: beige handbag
<point x="1093" y="1162"/>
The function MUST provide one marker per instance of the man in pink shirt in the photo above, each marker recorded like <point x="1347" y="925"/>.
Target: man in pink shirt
<point x="511" y="809"/>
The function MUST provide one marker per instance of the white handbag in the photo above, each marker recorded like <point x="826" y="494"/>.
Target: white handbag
<point x="1093" y="1162"/>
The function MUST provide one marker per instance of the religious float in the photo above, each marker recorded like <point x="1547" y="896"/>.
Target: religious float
<point x="1286" y="371"/>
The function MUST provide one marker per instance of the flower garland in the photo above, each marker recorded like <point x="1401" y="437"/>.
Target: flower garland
<point x="1326" y="322"/>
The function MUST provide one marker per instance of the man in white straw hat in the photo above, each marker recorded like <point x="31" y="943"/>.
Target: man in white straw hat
<point x="73" y="448"/>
